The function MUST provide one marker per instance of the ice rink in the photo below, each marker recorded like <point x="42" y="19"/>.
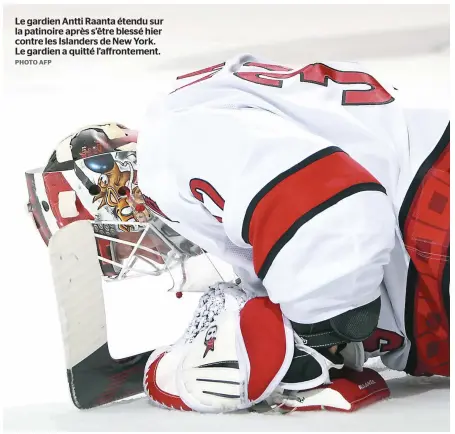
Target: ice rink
<point x="416" y="405"/>
<point x="407" y="47"/>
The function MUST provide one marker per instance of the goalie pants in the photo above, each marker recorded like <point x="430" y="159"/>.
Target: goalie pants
<point x="424" y="223"/>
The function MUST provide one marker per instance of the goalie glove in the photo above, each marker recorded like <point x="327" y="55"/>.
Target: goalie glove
<point x="234" y="354"/>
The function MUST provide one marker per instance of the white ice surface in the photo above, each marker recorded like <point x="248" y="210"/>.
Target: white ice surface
<point x="416" y="405"/>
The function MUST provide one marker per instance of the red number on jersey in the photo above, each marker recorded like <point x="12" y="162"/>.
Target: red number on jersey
<point x="199" y="186"/>
<point x="383" y="340"/>
<point x="264" y="78"/>
<point x="211" y="69"/>
<point x="317" y="73"/>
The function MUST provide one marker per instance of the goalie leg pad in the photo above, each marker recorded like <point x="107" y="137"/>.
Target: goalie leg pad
<point x="250" y="355"/>
<point x="268" y="342"/>
<point x="350" y="391"/>
<point x="159" y="379"/>
<point x="238" y="361"/>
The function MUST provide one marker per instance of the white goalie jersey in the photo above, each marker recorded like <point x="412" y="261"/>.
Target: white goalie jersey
<point x="300" y="179"/>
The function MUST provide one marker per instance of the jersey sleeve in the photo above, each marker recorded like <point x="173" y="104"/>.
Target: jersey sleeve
<point x="319" y="225"/>
<point x="320" y="233"/>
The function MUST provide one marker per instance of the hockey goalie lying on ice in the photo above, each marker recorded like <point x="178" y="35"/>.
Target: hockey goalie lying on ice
<point x="326" y="194"/>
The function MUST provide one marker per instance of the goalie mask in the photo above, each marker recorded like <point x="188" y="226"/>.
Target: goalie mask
<point x="92" y="176"/>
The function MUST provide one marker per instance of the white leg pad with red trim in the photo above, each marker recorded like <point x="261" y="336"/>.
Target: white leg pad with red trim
<point x="236" y="362"/>
<point x="350" y="392"/>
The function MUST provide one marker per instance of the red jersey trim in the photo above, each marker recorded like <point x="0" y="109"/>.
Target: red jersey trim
<point x="296" y="196"/>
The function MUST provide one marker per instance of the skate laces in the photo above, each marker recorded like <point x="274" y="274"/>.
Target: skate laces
<point x="210" y="305"/>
